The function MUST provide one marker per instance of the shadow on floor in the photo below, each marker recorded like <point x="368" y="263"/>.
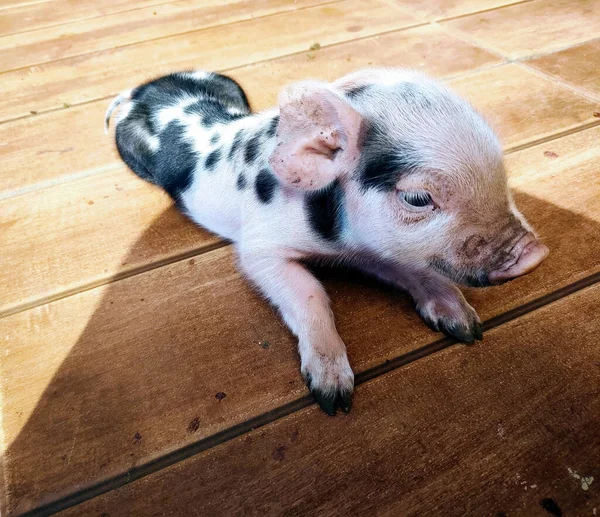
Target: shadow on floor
<point x="145" y="375"/>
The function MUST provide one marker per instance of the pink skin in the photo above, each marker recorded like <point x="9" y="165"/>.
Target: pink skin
<point x="469" y="230"/>
<point x="318" y="140"/>
<point x="439" y="302"/>
<point x="527" y="254"/>
<point x="304" y="307"/>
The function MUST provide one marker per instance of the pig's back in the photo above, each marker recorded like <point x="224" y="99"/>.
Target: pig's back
<point x="164" y="131"/>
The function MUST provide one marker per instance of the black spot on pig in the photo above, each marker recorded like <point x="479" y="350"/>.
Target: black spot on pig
<point x="211" y="112"/>
<point x="413" y="94"/>
<point x="134" y="150"/>
<point x="551" y="506"/>
<point x="384" y="161"/>
<point x="170" y="167"/>
<point x="212" y="87"/>
<point x="357" y="91"/>
<point x="273" y="127"/>
<point x="265" y="186"/>
<point x="325" y="211"/>
<point x="212" y="159"/>
<point x="241" y="181"/>
<point x="142" y="114"/>
<point x="237" y="141"/>
<point x="174" y="165"/>
<point x="252" y="148"/>
<point x="226" y="89"/>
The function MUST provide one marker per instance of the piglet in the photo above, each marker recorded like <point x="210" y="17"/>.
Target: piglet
<point x="385" y="169"/>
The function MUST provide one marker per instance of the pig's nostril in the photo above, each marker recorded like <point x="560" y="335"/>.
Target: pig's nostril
<point x="530" y="255"/>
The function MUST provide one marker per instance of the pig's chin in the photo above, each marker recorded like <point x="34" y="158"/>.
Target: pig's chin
<point x="460" y="275"/>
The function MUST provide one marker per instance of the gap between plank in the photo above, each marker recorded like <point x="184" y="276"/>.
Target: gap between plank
<point x="121" y="275"/>
<point x="433" y="19"/>
<point x="521" y="61"/>
<point x="285" y="410"/>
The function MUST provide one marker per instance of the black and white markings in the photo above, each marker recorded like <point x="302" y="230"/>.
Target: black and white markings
<point x="325" y="211"/>
<point x="241" y="181"/>
<point x="384" y="162"/>
<point x="173" y="167"/>
<point x="235" y="145"/>
<point x="252" y="148"/>
<point x="265" y="186"/>
<point x="272" y="129"/>
<point x="212" y="160"/>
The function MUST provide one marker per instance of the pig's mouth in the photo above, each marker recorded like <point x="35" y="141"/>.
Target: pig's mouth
<point x="468" y="277"/>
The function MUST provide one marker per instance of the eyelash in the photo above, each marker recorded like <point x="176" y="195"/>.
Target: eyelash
<point x="419" y="200"/>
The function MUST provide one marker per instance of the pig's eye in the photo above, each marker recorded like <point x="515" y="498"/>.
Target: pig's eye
<point x="419" y="200"/>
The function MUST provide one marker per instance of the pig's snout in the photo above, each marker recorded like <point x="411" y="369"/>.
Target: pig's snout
<point x="525" y="256"/>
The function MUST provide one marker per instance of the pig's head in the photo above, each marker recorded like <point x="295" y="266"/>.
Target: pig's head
<point x="421" y="171"/>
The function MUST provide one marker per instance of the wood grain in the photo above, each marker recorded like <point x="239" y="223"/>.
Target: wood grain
<point x="133" y="26"/>
<point x="33" y="15"/>
<point x="522" y="106"/>
<point x="53" y="146"/>
<point x="426" y="48"/>
<point x="574" y="65"/>
<point x="497" y="429"/>
<point x="84" y="78"/>
<point x="535" y="27"/>
<point x="71" y="141"/>
<point x="440" y="9"/>
<point x="148" y="354"/>
<point x="85" y="230"/>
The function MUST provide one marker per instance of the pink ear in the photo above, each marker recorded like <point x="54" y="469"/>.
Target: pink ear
<point x="318" y="136"/>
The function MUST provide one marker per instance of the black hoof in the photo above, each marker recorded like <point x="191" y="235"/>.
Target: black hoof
<point x="330" y="402"/>
<point x="462" y="333"/>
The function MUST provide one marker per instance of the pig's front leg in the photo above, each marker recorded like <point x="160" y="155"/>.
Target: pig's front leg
<point x="438" y="301"/>
<point x="304" y="306"/>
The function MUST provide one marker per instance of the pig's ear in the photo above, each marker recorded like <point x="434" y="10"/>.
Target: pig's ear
<point x="318" y="136"/>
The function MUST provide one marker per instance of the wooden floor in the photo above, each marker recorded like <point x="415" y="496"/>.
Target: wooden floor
<point x="140" y="374"/>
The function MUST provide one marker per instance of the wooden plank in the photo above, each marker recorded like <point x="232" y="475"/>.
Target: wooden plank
<point x="432" y="10"/>
<point x="522" y="106"/>
<point x="84" y="78"/>
<point x="53" y="146"/>
<point x="426" y="48"/>
<point x="148" y="354"/>
<point x="53" y="215"/>
<point x="134" y="26"/>
<point x="574" y="65"/>
<point x="85" y="231"/>
<point x="71" y="141"/>
<point x="505" y="428"/>
<point x="34" y="15"/>
<point x="535" y="27"/>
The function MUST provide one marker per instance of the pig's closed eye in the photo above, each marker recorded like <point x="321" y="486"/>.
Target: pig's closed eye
<point x="417" y="200"/>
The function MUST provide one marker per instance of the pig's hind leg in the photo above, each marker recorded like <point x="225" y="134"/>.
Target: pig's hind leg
<point x="438" y="301"/>
<point x="304" y="307"/>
